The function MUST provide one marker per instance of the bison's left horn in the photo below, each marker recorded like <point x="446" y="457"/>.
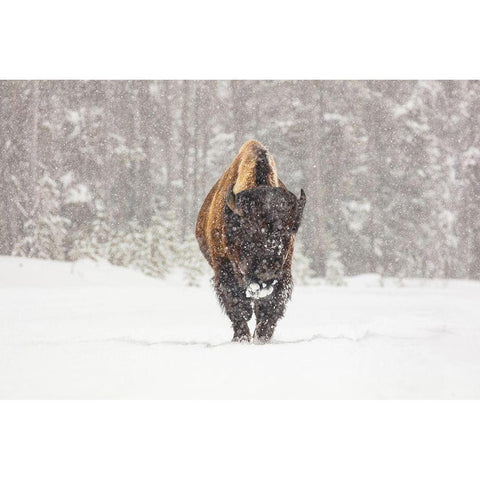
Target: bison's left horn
<point x="300" y="206"/>
<point x="231" y="201"/>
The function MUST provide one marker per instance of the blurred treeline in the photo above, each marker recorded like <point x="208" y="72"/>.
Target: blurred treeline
<point x="119" y="169"/>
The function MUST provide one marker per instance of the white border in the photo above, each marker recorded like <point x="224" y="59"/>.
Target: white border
<point x="248" y="39"/>
<point x="214" y="39"/>
<point x="143" y="440"/>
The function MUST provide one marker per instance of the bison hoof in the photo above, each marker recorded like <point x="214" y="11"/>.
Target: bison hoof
<point x="241" y="332"/>
<point x="241" y="338"/>
<point x="258" y="340"/>
<point x="263" y="334"/>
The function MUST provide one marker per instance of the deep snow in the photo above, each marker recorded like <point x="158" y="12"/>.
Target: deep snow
<point x="91" y="330"/>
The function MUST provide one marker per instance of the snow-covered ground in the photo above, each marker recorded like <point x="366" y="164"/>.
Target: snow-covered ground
<point x="91" y="330"/>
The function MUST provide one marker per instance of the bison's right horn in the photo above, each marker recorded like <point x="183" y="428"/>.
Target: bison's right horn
<point x="231" y="201"/>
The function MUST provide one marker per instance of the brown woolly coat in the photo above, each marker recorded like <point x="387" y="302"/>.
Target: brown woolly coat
<point x="210" y="228"/>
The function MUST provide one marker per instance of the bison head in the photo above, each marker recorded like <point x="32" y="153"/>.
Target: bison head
<point x="260" y="224"/>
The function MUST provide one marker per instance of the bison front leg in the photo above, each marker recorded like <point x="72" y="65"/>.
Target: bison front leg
<point x="269" y="310"/>
<point x="234" y="301"/>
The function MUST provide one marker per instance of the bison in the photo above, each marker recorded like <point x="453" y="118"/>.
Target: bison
<point x="246" y="230"/>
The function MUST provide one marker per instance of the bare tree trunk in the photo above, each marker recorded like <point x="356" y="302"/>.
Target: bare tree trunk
<point x="316" y="184"/>
<point x="144" y="186"/>
<point x="196" y="153"/>
<point x="167" y="129"/>
<point x="34" y="160"/>
<point x="185" y="156"/>
<point x="237" y="113"/>
<point x="205" y="133"/>
<point x="4" y="212"/>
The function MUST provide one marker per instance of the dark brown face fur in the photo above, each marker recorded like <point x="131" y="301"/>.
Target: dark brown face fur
<point x="260" y="223"/>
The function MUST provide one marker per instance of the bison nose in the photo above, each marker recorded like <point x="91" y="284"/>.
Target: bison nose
<point x="265" y="275"/>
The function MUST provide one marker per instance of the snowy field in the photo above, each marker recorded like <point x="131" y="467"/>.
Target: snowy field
<point x="88" y="330"/>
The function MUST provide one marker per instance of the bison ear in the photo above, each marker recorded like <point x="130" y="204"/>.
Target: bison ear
<point x="231" y="201"/>
<point x="300" y="206"/>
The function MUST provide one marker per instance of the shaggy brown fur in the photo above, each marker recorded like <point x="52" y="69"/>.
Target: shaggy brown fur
<point x="251" y="181"/>
<point x="210" y="228"/>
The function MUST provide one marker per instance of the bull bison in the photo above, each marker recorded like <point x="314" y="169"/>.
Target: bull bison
<point x="246" y="231"/>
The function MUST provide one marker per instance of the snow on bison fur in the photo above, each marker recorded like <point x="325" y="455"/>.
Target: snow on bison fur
<point x="246" y="231"/>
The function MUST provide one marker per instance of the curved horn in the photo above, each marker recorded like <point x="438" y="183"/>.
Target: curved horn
<point x="302" y="200"/>
<point x="231" y="201"/>
<point x="300" y="205"/>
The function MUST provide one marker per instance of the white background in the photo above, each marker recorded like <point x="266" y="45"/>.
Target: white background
<point x="142" y="440"/>
<point x="213" y="39"/>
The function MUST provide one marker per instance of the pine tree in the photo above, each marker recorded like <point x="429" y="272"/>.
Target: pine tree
<point x="191" y="261"/>
<point x="301" y="264"/>
<point x="94" y="241"/>
<point x="335" y="269"/>
<point x="45" y="229"/>
<point x="163" y="245"/>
